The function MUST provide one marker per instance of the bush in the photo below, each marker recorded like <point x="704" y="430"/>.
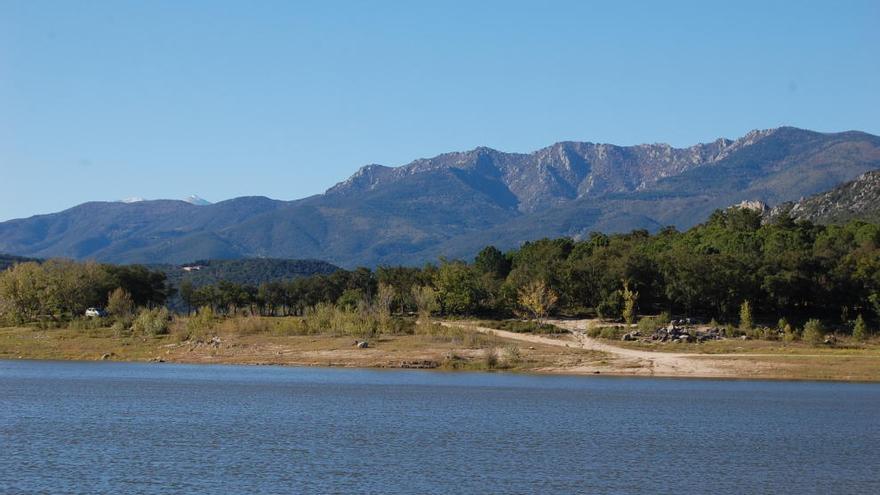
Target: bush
<point x="120" y="329"/>
<point x="120" y="305"/>
<point x="490" y="357"/>
<point x="247" y="325"/>
<point x="745" y="316"/>
<point x="520" y="326"/>
<point x="328" y="318"/>
<point x="731" y="331"/>
<point x="648" y="324"/>
<point x="611" y="307"/>
<point x="198" y="325"/>
<point x="86" y="323"/>
<point x="813" y="332"/>
<point x="860" y="330"/>
<point x="151" y="322"/>
<point x="789" y="334"/>
<point x="611" y="333"/>
<point x="512" y="354"/>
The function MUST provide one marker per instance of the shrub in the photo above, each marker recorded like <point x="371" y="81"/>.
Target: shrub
<point x="731" y="331"/>
<point x="291" y="326"/>
<point x="611" y="306"/>
<point x="519" y="326"/>
<point x="247" y="325"/>
<point x="860" y="330"/>
<point x="649" y="324"/>
<point x="745" y="316"/>
<point x="119" y="328"/>
<point x="789" y="334"/>
<point x="198" y="325"/>
<point x="611" y="333"/>
<point x="120" y="305"/>
<point x="490" y="356"/>
<point x="813" y="332"/>
<point x="328" y="318"/>
<point x="151" y="322"/>
<point x="85" y="323"/>
<point x="630" y="298"/>
<point x="512" y="354"/>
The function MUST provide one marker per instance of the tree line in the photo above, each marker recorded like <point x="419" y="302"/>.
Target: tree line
<point x="785" y="268"/>
<point x="795" y="270"/>
<point x="62" y="289"/>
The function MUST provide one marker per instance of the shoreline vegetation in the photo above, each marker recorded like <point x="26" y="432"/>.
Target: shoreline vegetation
<point x="734" y="297"/>
<point x="557" y="347"/>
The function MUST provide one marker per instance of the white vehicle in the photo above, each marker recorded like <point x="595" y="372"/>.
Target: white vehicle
<point x="95" y="312"/>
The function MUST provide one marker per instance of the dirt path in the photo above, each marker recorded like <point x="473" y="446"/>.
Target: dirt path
<point x="629" y="361"/>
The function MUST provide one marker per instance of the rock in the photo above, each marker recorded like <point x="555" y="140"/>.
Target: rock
<point x="830" y="339"/>
<point x="215" y="341"/>
<point x="363" y="345"/>
<point x="423" y="364"/>
<point x="105" y="357"/>
<point x="743" y="337"/>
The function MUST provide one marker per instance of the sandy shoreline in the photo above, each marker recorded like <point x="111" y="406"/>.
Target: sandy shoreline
<point x="568" y="354"/>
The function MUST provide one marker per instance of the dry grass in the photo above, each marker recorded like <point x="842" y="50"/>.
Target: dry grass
<point x="754" y="346"/>
<point x="275" y="341"/>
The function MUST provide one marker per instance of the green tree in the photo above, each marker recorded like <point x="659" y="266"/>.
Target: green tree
<point x="458" y="288"/>
<point x="493" y="262"/>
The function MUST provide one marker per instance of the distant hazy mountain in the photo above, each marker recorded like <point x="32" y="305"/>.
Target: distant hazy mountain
<point x="855" y="200"/>
<point x="454" y="204"/>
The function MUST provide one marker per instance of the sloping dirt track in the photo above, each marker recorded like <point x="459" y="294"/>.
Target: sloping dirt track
<point x="622" y="361"/>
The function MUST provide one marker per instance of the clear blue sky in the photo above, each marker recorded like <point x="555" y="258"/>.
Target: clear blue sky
<point x="107" y="100"/>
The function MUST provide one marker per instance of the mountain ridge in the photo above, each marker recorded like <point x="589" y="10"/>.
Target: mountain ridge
<point x="450" y="204"/>
<point x="858" y="199"/>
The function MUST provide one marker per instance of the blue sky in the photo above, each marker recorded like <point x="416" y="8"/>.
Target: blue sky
<point x="107" y="100"/>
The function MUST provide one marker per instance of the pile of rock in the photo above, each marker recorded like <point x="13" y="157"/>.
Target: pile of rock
<point x="675" y="333"/>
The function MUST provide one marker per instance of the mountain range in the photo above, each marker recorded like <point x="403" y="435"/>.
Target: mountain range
<point x="456" y="203"/>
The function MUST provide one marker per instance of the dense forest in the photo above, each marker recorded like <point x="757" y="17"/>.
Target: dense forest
<point x="795" y="270"/>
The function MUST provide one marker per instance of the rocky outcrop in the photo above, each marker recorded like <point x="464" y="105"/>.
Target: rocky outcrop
<point x="858" y="199"/>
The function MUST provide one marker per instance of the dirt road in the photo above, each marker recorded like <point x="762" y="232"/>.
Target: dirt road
<point x="630" y="361"/>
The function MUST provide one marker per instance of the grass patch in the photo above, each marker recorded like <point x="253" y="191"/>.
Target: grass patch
<point x="523" y="326"/>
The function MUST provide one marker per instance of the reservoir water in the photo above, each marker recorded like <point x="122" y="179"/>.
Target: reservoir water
<point x="85" y="428"/>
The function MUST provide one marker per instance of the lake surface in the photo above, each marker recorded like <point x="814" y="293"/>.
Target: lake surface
<point x="78" y="427"/>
